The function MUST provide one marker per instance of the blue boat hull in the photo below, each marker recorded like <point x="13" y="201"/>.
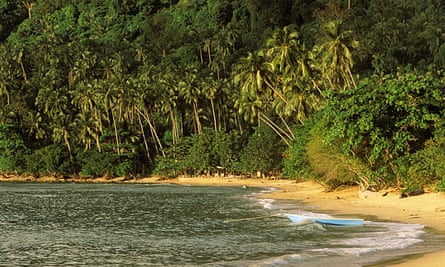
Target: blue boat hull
<point x="326" y="220"/>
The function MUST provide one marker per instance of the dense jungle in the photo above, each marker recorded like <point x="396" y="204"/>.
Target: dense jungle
<point x="340" y="91"/>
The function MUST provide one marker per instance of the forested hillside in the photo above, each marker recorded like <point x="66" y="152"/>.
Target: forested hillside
<point x="341" y="90"/>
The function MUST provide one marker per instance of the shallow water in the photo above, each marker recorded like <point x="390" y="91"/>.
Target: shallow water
<point x="170" y="225"/>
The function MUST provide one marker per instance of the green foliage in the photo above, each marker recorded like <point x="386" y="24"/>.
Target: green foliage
<point x="49" y="160"/>
<point x="124" y="168"/>
<point x="327" y="162"/>
<point x="380" y="121"/>
<point x="425" y="167"/>
<point x="112" y="78"/>
<point x="200" y="154"/>
<point x="296" y="163"/>
<point x="173" y="163"/>
<point x="12" y="150"/>
<point x="93" y="163"/>
<point x="263" y="152"/>
<point x="440" y="186"/>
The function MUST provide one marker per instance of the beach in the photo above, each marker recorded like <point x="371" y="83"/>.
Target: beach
<point x="427" y="209"/>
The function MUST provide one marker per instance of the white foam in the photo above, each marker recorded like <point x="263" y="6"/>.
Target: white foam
<point x="284" y="260"/>
<point x="266" y="203"/>
<point x="382" y="235"/>
<point x="391" y="236"/>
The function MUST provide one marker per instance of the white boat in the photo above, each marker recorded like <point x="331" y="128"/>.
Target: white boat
<point x="297" y="218"/>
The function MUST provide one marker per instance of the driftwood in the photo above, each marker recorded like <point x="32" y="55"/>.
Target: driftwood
<point x="412" y="193"/>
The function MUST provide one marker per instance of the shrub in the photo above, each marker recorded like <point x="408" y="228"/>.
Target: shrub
<point x="198" y="154"/>
<point x="425" y="167"/>
<point x="95" y="164"/>
<point x="296" y="163"/>
<point x="124" y="168"/>
<point x="263" y="152"/>
<point x="48" y="160"/>
<point x="330" y="166"/>
<point x="172" y="163"/>
<point x="383" y="120"/>
<point x="440" y="186"/>
<point x="12" y="150"/>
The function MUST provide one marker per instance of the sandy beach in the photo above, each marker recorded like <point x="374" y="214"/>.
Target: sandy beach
<point x="427" y="209"/>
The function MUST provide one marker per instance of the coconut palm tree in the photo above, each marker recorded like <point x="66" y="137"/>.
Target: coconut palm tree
<point x="284" y="48"/>
<point x="335" y="53"/>
<point x="254" y="76"/>
<point x="292" y="63"/>
<point x="189" y="89"/>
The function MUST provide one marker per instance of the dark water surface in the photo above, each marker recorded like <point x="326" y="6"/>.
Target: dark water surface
<point x="170" y="225"/>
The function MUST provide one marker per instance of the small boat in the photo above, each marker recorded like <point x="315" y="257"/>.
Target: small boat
<point x="324" y="220"/>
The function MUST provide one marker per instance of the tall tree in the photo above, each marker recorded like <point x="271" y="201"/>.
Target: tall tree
<point x="335" y="53"/>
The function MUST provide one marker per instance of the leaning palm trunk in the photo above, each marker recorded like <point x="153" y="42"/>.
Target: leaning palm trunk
<point x="213" y="114"/>
<point x="175" y="128"/>
<point x="116" y="133"/>
<point x="153" y="132"/>
<point x="197" y="121"/>
<point x="277" y="129"/>
<point x="143" y="136"/>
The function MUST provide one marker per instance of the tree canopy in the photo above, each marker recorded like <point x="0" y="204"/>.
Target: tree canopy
<point x="193" y="86"/>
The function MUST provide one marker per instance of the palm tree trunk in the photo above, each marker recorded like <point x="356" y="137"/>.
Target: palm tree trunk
<point x="197" y="121"/>
<point x="143" y="136"/>
<point x="116" y="134"/>
<point x="291" y="133"/>
<point x="278" y="130"/>
<point x="214" y="114"/>
<point x="153" y="132"/>
<point x="28" y="6"/>
<point x="175" y="129"/>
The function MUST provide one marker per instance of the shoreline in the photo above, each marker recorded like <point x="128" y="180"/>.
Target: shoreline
<point x="427" y="209"/>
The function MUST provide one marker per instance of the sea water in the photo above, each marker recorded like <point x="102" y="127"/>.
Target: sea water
<point x="172" y="225"/>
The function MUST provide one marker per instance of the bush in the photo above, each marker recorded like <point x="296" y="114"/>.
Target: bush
<point x="198" y="154"/>
<point x="210" y="150"/>
<point x="263" y="152"/>
<point x="383" y="120"/>
<point x="52" y="159"/>
<point x="173" y="162"/>
<point x="425" y="167"/>
<point x="93" y="163"/>
<point x="331" y="167"/>
<point x="296" y="163"/>
<point x="440" y="186"/>
<point x="124" y="168"/>
<point x="12" y="150"/>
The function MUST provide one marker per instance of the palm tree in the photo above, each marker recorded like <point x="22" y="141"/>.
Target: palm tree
<point x="284" y="49"/>
<point x="87" y="130"/>
<point x="167" y="102"/>
<point x="336" y="57"/>
<point x="90" y="117"/>
<point x="223" y="45"/>
<point x="5" y="75"/>
<point x="189" y="89"/>
<point x="61" y="131"/>
<point x="255" y="77"/>
<point x="35" y="125"/>
<point x="209" y="89"/>
<point x="292" y="63"/>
